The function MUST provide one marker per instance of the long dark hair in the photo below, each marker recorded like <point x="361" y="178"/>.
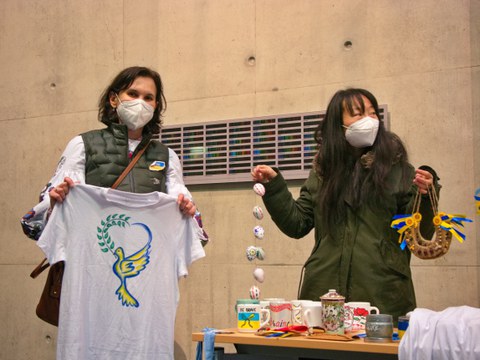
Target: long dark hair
<point x="108" y="115"/>
<point x="343" y="171"/>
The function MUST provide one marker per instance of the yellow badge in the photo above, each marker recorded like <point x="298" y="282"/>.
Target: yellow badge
<point x="157" y="166"/>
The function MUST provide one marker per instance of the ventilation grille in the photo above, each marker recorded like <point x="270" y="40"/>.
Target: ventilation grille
<point x="226" y="151"/>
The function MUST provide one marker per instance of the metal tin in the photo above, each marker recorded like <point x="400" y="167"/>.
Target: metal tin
<point x="379" y="328"/>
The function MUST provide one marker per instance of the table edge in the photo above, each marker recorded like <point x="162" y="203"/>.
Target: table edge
<point x="357" y="345"/>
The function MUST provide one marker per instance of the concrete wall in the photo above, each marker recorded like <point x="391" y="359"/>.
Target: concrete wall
<point x="420" y="58"/>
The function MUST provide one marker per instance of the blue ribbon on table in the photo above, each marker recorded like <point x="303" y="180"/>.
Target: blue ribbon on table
<point x="209" y="341"/>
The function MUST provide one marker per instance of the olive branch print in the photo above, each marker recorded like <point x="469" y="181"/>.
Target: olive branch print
<point x="104" y="240"/>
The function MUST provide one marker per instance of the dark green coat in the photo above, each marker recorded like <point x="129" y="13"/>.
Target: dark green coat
<point x="362" y="260"/>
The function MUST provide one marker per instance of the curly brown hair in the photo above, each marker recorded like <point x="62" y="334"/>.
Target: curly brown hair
<point x="108" y="115"/>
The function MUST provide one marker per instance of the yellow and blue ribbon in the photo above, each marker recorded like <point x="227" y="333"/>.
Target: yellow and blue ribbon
<point x="403" y="222"/>
<point x="449" y="222"/>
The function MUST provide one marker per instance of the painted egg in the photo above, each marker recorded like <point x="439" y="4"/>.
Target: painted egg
<point x="259" y="232"/>
<point x="260" y="253"/>
<point x="258" y="212"/>
<point x="259" y="275"/>
<point x="254" y="292"/>
<point x="259" y="189"/>
<point x="251" y="253"/>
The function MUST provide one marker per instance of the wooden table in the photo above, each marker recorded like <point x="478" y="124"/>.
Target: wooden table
<point x="252" y="347"/>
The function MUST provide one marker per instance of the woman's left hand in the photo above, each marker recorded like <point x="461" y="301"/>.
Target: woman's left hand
<point x="423" y="179"/>
<point x="186" y="206"/>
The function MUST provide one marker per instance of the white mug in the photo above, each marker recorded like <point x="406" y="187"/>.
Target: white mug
<point x="270" y="300"/>
<point x="356" y="313"/>
<point x="297" y="313"/>
<point x="265" y="305"/>
<point x="249" y="317"/>
<point x="312" y="313"/>
<point x="280" y="314"/>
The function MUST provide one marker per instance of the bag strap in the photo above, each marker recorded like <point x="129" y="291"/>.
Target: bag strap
<point x="129" y="167"/>
<point x="42" y="266"/>
<point x="39" y="269"/>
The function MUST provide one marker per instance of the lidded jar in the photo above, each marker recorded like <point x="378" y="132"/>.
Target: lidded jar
<point x="333" y="312"/>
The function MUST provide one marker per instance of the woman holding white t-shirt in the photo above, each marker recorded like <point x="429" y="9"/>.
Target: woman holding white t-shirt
<point x="131" y="107"/>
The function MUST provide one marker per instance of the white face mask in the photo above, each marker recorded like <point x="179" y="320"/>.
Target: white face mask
<point x="362" y="133"/>
<point x="135" y="114"/>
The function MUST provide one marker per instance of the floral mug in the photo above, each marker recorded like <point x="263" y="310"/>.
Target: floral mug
<point x="356" y="314"/>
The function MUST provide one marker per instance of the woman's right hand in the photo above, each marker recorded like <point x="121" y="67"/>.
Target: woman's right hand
<point x="59" y="192"/>
<point x="263" y="173"/>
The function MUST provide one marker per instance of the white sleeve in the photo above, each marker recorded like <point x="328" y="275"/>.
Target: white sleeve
<point x="191" y="248"/>
<point x="174" y="182"/>
<point x="53" y="236"/>
<point x="71" y="164"/>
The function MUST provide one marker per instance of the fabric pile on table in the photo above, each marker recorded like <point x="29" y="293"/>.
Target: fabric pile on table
<point x="453" y="333"/>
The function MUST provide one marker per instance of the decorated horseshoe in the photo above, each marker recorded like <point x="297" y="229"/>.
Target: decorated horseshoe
<point x="446" y="226"/>
<point x="428" y="249"/>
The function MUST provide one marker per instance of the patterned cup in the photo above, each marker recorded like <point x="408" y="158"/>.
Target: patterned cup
<point x="280" y="314"/>
<point x="356" y="312"/>
<point x="333" y="312"/>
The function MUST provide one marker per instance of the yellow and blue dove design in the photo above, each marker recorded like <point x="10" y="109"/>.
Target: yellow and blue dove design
<point x="125" y="267"/>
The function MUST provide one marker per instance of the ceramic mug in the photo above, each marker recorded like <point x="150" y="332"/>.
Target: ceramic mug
<point x="249" y="317"/>
<point x="356" y="313"/>
<point x="312" y="313"/>
<point x="297" y="313"/>
<point x="270" y="300"/>
<point x="265" y="305"/>
<point x="280" y="314"/>
<point x="245" y="301"/>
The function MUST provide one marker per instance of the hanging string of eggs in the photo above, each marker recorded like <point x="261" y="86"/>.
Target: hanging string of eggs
<point x="256" y="252"/>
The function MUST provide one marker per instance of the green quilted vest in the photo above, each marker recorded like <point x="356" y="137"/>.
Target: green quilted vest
<point x="106" y="156"/>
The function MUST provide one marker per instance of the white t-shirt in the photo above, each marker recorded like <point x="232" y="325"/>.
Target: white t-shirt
<point x="450" y="334"/>
<point x="123" y="255"/>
